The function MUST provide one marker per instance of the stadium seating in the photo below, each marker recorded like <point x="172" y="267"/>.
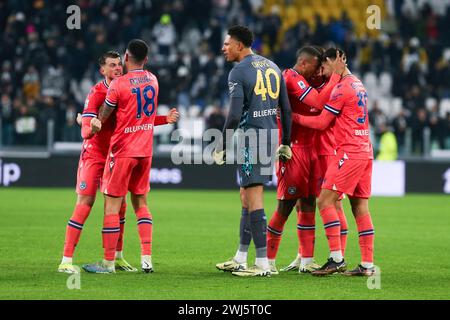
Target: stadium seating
<point x="430" y="102"/>
<point x="444" y="107"/>
<point x="397" y="106"/>
<point x="305" y="10"/>
<point x="377" y="77"/>
<point x="371" y="83"/>
<point x="385" y="84"/>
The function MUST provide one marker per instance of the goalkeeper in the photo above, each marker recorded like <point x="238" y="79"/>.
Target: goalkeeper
<point x="257" y="89"/>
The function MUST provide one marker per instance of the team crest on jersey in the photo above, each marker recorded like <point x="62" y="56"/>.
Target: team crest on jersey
<point x="292" y="190"/>
<point x="301" y="84"/>
<point x="83" y="185"/>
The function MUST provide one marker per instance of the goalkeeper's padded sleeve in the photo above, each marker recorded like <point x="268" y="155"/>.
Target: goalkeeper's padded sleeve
<point x="233" y="118"/>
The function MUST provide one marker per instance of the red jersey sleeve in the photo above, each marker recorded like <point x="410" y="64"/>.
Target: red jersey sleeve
<point x="320" y="122"/>
<point x="160" y="120"/>
<point x="92" y="104"/>
<point x="337" y="99"/>
<point x="298" y="86"/>
<point x="112" y="96"/>
<point x="334" y="106"/>
<point x="86" y="131"/>
<point x="318" y="100"/>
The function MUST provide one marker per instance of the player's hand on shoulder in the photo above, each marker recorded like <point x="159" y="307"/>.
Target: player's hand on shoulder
<point x="79" y="119"/>
<point x="96" y="125"/>
<point x="284" y="153"/>
<point x="173" y="116"/>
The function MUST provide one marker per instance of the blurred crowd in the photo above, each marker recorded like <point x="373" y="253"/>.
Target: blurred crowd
<point x="47" y="69"/>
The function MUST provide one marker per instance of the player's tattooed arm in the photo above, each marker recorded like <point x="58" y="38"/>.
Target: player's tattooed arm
<point x="105" y="112"/>
<point x="96" y="126"/>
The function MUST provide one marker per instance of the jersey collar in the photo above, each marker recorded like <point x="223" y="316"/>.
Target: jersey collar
<point x="295" y="71"/>
<point x="350" y="74"/>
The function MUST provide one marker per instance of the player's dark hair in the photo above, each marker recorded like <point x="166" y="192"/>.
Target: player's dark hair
<point x="138" y="50"/>
<point x="242" y="34"/>
<point x="332" y="53"/>
<point x="106" y="55"/>
<point x="321" y="50"/>
<point x="314" y="51"/>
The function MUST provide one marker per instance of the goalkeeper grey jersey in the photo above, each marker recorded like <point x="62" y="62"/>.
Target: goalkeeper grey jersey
<point x="258" y="80"/>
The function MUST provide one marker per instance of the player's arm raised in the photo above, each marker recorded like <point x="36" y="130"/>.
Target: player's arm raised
<point x="317" y="100"/>
<point x="312" y="97"/>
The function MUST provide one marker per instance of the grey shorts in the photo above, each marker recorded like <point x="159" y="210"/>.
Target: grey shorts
<point x="252" y="172"/>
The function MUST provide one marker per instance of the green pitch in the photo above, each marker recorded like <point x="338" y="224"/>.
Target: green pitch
<point x="193" y="230"/>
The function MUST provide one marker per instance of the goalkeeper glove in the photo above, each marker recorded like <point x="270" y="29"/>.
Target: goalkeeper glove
<point x="219" y="157"/>
<point x="284" y="152"/>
